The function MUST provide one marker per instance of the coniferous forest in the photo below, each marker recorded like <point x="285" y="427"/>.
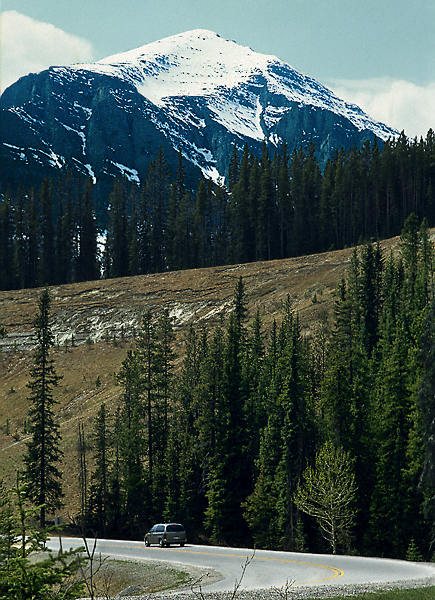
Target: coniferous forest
<point x="67" y="230"/>
<point x="235" y="433"/>
<point x="229" y="442"/>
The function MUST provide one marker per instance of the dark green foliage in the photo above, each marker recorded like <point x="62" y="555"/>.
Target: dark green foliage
<point x="7" y="279"/>
<point x="285" y="440"/>
<point x="131" y="443"/>
<point x="117" y="261"/>
<point x="46" y="261"/>
<point x="24" y="572"/>
<point x="87" y="267"/>
<point x="272" y="207"/>
<point x="43" y="453"/>
<point x="426" y="411"/>
<point x="99" y="491"/>
<point x="222" y="447"/>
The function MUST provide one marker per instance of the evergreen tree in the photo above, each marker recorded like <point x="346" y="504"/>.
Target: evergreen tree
<point x="27" y="568"/>
<point x="20" y="251"/>
<point x="100" y="478"/>
<point x="117" y="241"/>
<point x="43" y="453"/>
<point x="147" y="347"/>
<point x="162" y="376"/>
<point x="426" y="405"/>
<point x="32" y="234"/>
<point x="201" y="234"/>
<point x="7" y="278"/>
<point x="87" y="267"/>
<point x="131" y="442"/>
<point x="46" y="263"/>
<point x="175" y="206"/>
<point x="228" y="479"/>
<point x="157" y="186"/>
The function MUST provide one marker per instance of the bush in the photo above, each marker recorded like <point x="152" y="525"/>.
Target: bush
<point x="27" y="568"/>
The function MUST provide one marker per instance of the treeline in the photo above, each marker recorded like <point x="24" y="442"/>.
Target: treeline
<point x="221" y="444"/>
<point x="272" y="207"/>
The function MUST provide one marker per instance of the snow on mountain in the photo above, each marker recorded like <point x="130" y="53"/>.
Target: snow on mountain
<point x="201" y="63"/>
<point x="195" y="92"/>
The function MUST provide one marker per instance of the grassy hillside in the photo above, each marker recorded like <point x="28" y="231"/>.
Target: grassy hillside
<point x="94" y="324"/>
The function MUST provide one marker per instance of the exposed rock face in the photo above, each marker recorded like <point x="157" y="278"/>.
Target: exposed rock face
<point x="195" y="92"/>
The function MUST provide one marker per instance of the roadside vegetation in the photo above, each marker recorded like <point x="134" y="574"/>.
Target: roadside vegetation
<point x="238" y="433"/>
<point x="225" y="444"/>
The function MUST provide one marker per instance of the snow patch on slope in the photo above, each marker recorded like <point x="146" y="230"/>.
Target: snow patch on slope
<point x="200" y="63"/>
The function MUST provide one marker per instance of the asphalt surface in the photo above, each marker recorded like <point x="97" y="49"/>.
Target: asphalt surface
<point x="267" y="568"/>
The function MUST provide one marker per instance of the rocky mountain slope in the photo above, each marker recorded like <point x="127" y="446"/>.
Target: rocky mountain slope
<point x="195" y="92"/>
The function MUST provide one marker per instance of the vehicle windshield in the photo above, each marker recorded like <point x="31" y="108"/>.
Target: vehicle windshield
<point x="174" y="528"/>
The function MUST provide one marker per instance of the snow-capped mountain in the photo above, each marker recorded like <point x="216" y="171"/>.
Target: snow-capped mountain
<point x="195" y="92"/>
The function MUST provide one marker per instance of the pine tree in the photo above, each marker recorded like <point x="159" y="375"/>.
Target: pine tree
<point x="233" y="168"/>
<point x="32" y="235"/>
<point x="175" y="201"/>
<point x="7" y="275"/>
<point x="43" y="453"/>
<point x="117" y="241"/>
<point x="46" y="263"/>
<point x="100" y="477"/>
<point x="201" y="226"/>
<point x="27" y="568"/>
<point x="163" y="377"/>
<point x="87" y="268"/>
<point x="426" y="406"/>
<point x="146" y="347"/>
<point x="157" y="186"/>
<point x="132" y="442"/>
<point x="20" y="253"/>
<point x="391" y="435"/>
<point x="228" y="482"/>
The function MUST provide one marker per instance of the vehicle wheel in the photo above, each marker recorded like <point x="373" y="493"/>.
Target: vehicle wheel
<point x="147" y="544"/>
<point x="182" y="544"/>
<point x="161" y="543"/>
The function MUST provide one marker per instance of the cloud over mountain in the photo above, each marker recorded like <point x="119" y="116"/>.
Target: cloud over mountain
<point x="29" y="46"/>
<point x="402" y="104"/>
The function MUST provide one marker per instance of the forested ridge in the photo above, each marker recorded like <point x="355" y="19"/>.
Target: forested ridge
<point x="223" y="443"/>
<point x="233" y="432"/>
<point x="272" y="207"/>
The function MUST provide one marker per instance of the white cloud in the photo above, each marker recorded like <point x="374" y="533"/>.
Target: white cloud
<point x="28" y="46"/>
<point x="397" y="103"/>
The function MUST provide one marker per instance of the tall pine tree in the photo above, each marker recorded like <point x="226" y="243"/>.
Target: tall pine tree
<point x="43" y="453"/>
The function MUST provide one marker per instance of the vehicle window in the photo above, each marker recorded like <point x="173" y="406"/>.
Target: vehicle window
<point x="174" y="528"/>
<point x="153" y="528"/>
<point x="160" y="528"/>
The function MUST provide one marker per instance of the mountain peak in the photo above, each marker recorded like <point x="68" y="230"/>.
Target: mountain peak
<point x="201" y="64"/>
<point x="196" y="92"/>
<point x="196" y="63"/>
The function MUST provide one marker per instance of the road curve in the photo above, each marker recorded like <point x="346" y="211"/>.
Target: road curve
<point x="268" y="568"/>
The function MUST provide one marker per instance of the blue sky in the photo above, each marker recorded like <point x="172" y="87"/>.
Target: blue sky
<point x="378" y="53"/>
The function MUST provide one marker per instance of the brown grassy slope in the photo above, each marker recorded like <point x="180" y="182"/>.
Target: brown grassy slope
<point x="101" y="315"/>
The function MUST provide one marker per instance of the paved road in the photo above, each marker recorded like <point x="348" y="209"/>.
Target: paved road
<point x="268" y="568"/>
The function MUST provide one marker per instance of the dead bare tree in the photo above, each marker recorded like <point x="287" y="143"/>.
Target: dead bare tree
<point x="231" y="595"/>
<point x="283" y="592"/>
<point x="92" y="566"/>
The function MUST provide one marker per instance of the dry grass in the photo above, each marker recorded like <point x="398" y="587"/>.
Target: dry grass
<point x="103" y="315"/>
